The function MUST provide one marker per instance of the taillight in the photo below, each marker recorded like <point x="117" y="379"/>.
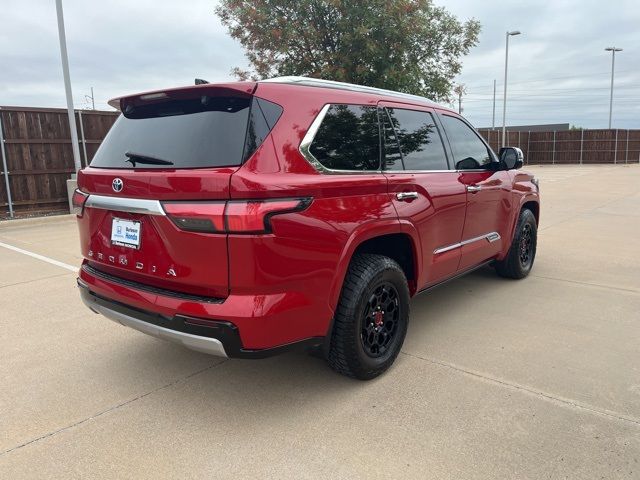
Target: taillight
<point x="77" y="201"/>
<point x="246" y="216"/>
<point x="254" y="216"/>
<point x="197" y="216"/>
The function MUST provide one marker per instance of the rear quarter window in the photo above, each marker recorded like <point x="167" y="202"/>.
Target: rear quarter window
<point x="348" y="138"/>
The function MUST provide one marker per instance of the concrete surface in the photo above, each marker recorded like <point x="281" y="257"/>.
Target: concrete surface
<point x="537" y="378"/>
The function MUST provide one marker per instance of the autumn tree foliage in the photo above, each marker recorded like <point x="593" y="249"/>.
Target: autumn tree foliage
<point x="407" y="45"/>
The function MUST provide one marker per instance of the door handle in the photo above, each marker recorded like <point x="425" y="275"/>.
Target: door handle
<point x="405" y="196"/>
<point x="473" y="188"/>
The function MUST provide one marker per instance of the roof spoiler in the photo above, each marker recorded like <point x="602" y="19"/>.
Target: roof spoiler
<point x="211" y="89"/>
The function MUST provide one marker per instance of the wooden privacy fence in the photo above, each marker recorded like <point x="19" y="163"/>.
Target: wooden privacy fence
<point x="39" y="157"/>
<point x="571" y="146"/>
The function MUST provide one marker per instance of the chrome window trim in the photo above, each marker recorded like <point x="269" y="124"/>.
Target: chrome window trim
<point x="489" y="237"/>
<point x="122" y="204"/>
<point x="305" y="146"/>
<point x="307" y="140"/>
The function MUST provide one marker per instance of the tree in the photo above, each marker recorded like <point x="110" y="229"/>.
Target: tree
<point x="406" y="45"/>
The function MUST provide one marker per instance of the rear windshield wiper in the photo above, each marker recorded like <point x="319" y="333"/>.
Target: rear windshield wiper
<point x="145" y="159"/>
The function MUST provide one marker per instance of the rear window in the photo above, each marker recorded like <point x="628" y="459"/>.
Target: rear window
<point x="194" y="133"/>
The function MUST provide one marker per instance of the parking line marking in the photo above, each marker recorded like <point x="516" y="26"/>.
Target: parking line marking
<point x="40" y="257"/>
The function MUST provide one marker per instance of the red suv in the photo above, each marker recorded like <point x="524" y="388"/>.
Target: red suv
<point x="243" y="219"/>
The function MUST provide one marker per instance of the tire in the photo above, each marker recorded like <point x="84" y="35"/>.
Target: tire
<point x="519" y="260"/>
<point x="371" y="320"/>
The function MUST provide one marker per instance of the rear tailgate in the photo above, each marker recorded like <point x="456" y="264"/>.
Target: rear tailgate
<point x="163" y="256"/>
<point x="175" y="146"/>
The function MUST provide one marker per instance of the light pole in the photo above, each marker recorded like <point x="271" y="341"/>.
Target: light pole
<point x="504" y="100"/>
<point x="493" y="117"/>
<point x="613" y="51"/>
<point x="67" y="87"/>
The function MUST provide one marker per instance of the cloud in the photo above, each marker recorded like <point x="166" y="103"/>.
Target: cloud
<point x="116" y="46"/>
<point x="558" y="69"/>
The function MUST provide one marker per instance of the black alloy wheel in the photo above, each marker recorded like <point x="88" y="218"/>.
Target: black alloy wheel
<point x="525" y="245"/>
<point x="522" y="252"/>
<point x="380" y="320"/>
<point x="371" y="319"/>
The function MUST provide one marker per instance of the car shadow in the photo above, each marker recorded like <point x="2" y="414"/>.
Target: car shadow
<point x="288" y="385"/>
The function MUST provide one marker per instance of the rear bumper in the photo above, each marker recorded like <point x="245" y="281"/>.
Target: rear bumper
<point x="219" y="338"/>
<point x="172" y="329"/>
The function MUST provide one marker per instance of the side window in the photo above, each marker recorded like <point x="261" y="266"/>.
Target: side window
<point x="392" y="156"/>
<point x="469" y="151"/>
<point x="259" y="127"/>
<point x="348" y="138"/>
<point x="420" y="144"/>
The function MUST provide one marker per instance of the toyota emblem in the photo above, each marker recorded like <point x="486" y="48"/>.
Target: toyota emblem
<point x="117" y="184"/>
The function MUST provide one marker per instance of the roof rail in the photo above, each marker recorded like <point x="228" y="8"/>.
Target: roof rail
<point x="318" y="82"/>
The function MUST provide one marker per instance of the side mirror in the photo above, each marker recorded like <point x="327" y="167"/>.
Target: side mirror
<point x="511" y="157"/>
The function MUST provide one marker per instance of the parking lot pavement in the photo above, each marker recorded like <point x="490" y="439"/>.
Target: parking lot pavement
<point x="537" y="378"/>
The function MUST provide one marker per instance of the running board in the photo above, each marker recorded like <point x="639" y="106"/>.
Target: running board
<point x="456" y="276"/>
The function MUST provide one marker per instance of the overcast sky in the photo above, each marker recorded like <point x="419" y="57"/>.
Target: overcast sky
<point x="558" y="69"/>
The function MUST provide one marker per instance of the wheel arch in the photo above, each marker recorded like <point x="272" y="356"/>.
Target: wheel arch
<point x="530" y="202"/>
<point x="534" y="206"/>
<point x="391" y="239"/>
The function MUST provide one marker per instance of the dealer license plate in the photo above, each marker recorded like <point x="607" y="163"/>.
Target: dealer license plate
<point x="126" y="233"/>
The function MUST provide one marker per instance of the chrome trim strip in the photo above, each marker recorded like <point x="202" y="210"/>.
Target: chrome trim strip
<point x="489" y="237"/>
<point x="130" y="205"/>
<point x="211" y="346"/>
<point x="305" y="145"/>
<point x="418" y="171"/>
<point x="430" y="171"/>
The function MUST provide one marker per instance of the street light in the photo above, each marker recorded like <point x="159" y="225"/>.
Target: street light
<point x="613" y="51"/>
<point x="67" y="87"/>
<point x="504" y="100"/>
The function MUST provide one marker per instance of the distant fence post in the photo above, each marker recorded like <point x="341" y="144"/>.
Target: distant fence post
<point x="626" y="154"/>
<point x="84" y="142"/>
<point x="581" y="144"/>
<point x="5" y="169"/>
<point x="528" y="144"/>
<point x="553" y="157"/>
<point x="615" y="149"/>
